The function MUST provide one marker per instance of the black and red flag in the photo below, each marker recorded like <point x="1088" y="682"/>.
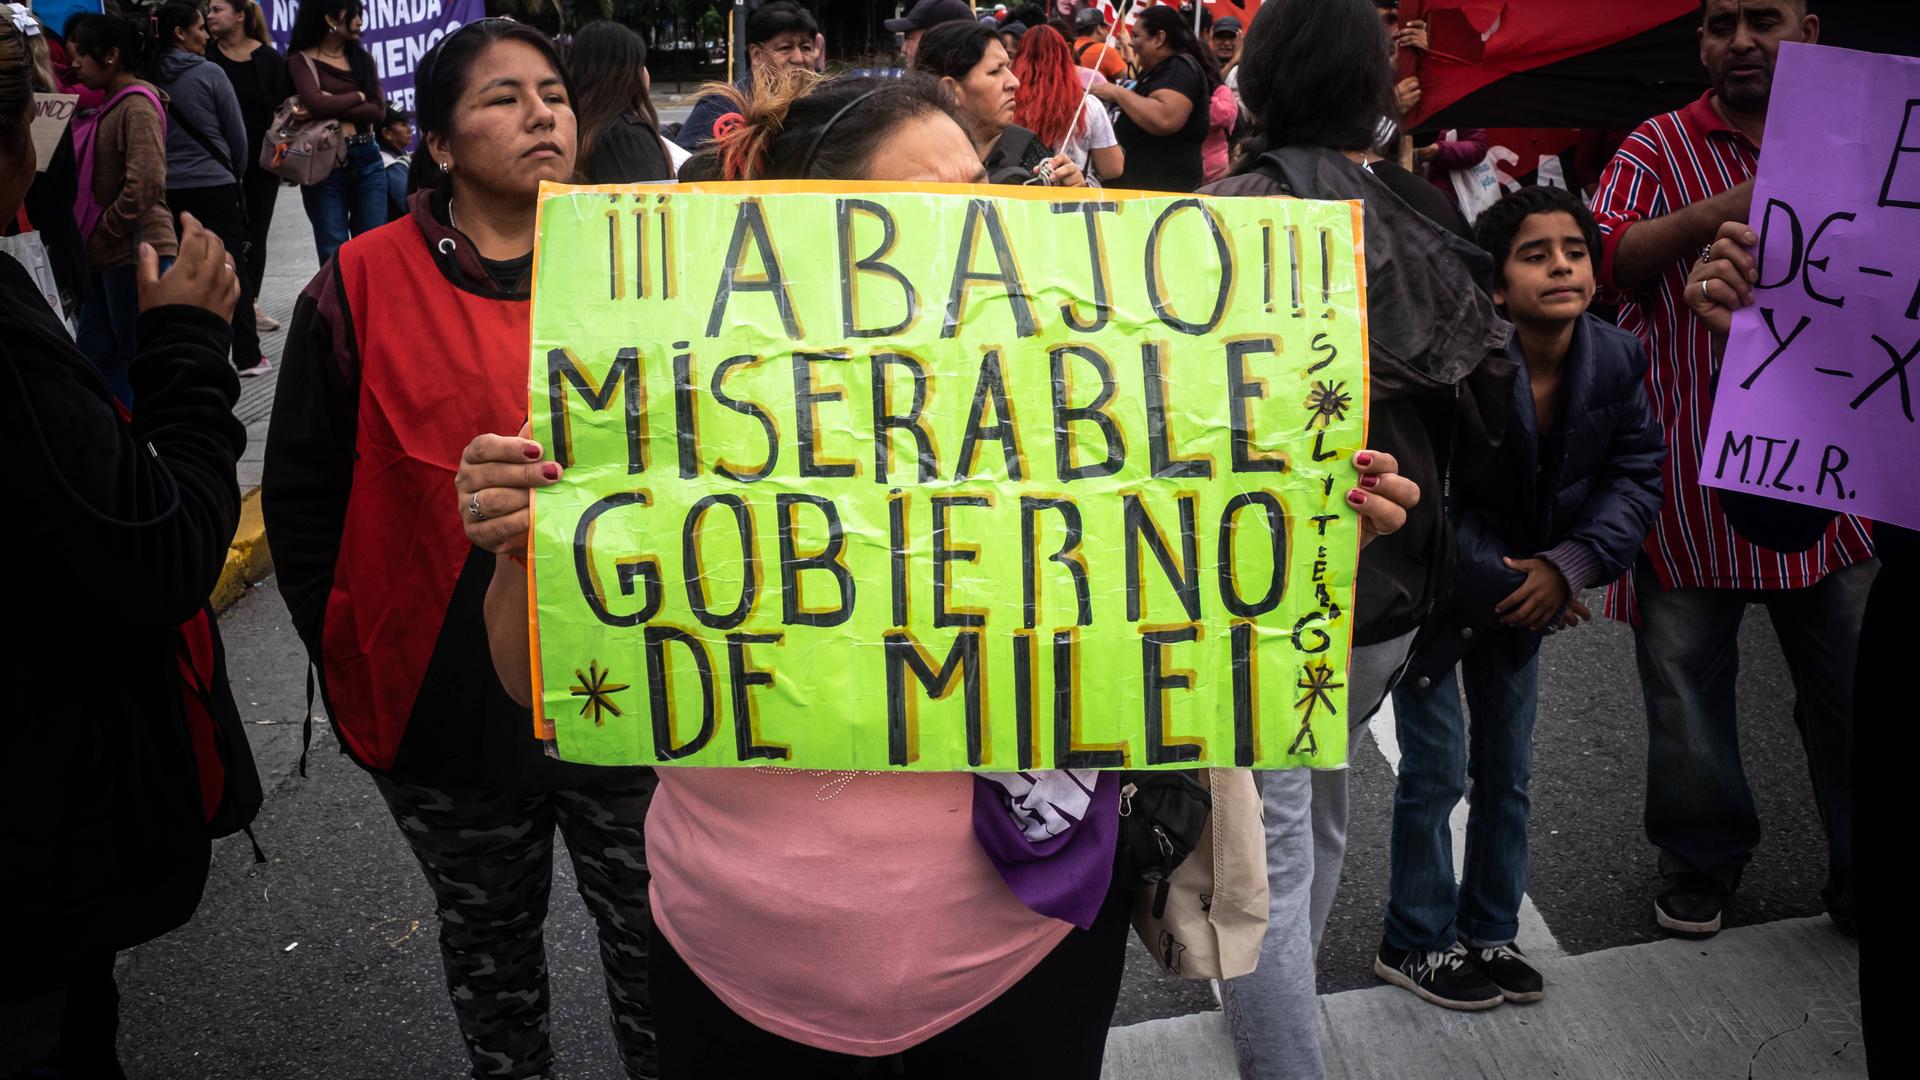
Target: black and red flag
<point x="1553" y="63"/>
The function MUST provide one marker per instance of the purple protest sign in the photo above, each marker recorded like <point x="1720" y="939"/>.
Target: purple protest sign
<point x="1815" y="402"/>
<point x="396" y="33"/>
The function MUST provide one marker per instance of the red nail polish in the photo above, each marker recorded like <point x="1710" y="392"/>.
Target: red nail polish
<point x="1357" y="498"/>
<point x="532" y="450"/>
<point x="1369" y="481"/>
<point x="1363" y="458"/>
<point x="550" y="470"/>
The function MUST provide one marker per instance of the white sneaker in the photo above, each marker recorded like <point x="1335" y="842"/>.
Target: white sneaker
<point x="264" y="321"/>
<point x="264" y="367"/>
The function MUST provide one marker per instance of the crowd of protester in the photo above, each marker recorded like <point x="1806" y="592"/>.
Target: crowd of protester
<point x="1567" y="447"/>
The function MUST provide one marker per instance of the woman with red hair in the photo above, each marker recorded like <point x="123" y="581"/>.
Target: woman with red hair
<point x="1053" y="104"/>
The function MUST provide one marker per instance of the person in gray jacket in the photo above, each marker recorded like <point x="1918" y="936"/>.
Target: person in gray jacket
<point x="1440" y="399"/>
<point x="206" y="154"/>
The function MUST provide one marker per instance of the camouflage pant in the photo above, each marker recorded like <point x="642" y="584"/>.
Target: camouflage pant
<point x="488" y="856"/>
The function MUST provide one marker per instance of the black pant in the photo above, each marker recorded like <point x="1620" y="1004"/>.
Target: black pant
<point x="89" y="1026"/>
<point x="1883" y="755"/>
<point x="1052" y="1023"/>
<point x="260" y="191"/>
<point x="219" y="209"/>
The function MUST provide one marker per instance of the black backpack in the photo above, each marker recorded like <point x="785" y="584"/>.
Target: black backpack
<point x="230" y="793"/>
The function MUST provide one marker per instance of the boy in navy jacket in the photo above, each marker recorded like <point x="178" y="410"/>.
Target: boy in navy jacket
<point x="1564" y="504"/>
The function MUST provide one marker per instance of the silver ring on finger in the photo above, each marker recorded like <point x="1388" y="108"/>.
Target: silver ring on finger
<point x="473" y="507"/>
<point x="1703" y="291"/>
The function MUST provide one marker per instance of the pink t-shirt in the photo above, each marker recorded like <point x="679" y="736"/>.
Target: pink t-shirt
<point x="853" y="912"/>
<point x="1222" y="109"/>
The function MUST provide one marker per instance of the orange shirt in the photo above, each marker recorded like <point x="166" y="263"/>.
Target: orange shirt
<point x="1093" y="52"/>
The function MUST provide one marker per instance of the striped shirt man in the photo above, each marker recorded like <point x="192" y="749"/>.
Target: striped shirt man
<point x="1671" y="161"/>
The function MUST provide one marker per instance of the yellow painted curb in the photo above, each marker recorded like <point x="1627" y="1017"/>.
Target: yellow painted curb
<point x="248" y="559"/>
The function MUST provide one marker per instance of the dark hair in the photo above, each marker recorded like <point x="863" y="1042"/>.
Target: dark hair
<point x="779" y="17"/>
<point x="310" y="29"/>
<point x="16" y="88"/>
<point x="1160" y="19"/>
<point x="1315" y="73"/>
<point x="171" y="16"/>
<point x="168" y="18"/>
<point x="1500" y="223"/>
<point x="442" y="77"/>
<point x="951" y="50"/>
<point x="609" y="63"/>
<point x="94" y="36"/>
<point x="799" y="126"/>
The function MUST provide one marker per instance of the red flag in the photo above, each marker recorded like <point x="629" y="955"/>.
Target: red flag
<point x="1240" y="9"/>
<point x="1553" y="62"/>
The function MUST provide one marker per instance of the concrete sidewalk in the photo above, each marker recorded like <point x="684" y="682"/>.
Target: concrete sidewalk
<point x="1778" y="1001"/>
<point x="291" y="263"/>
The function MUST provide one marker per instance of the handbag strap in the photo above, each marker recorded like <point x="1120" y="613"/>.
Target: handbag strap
<point x="219" y="155"/>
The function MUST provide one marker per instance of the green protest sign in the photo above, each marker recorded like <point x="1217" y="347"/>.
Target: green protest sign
<point x="955" y="478"/>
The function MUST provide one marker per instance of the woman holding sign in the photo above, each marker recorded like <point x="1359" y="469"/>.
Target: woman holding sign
<point x="1315" y="76"/>
<point x="416" y="332"/>
<point x="810" y="922"/>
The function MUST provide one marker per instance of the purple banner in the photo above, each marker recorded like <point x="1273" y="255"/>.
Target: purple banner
<point x="396" y="33"/>
<point x="1815" y="403"/>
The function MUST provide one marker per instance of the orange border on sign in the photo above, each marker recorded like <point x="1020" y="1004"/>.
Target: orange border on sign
<point x="542" y="725"/>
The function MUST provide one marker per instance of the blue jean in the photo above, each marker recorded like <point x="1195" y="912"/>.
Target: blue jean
<point x="104" y="325"/>
<point x="1441" y="753"/>
<point x="350" y="201"/>
<point x="1700" y="812"/>
<point x="396" y="190"/>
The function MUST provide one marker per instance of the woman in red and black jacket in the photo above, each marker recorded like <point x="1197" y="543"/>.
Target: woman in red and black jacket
<point x="414" y="333"/>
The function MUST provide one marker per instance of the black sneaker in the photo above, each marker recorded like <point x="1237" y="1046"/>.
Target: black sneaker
<point x="1690" y="906"/>
<point x="1443" y="978"/>
<point x="1508" y="969"/>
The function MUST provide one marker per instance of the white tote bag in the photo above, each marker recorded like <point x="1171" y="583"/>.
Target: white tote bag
<point x="1216" y="913"/>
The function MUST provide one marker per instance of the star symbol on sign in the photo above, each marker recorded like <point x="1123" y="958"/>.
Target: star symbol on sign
<point x="1329" y="402"/>
<point x="1316" y="680"/>
<point x="598" y="692"/>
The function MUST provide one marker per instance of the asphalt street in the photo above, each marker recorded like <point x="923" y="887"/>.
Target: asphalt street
<point x="323" y="962"/>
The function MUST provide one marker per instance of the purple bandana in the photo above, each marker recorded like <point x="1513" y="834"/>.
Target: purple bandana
<point x="1052" y="835"/>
